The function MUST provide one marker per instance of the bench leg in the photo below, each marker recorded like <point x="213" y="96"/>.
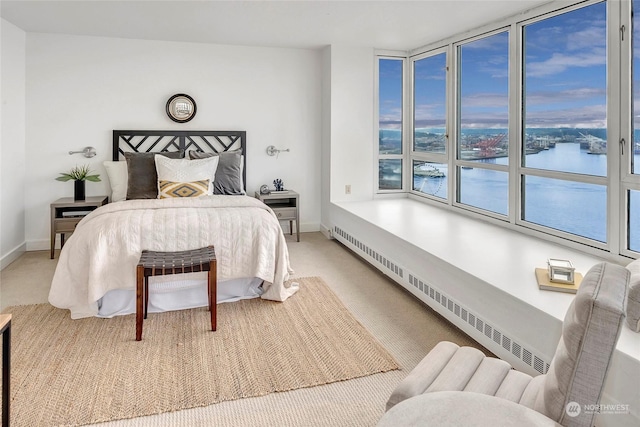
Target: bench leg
<point x="139" y="296"/>
<point x="146" y="296"/>
<point x="213" y="294"/>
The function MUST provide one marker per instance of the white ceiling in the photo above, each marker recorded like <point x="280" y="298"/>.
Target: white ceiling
<point x="400" y="25"/>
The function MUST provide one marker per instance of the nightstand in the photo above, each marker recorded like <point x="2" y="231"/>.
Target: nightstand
<point x="286" y="206"/>
<point x="66" y="213"/>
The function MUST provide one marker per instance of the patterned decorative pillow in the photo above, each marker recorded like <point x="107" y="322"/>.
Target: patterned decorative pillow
<point x="170" y="189"/>
<point x="185" y="170"/>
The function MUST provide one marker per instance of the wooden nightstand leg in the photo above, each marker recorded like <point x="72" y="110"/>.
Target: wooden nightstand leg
<point x="61" y="240"/>
<point x="53" y="242"/>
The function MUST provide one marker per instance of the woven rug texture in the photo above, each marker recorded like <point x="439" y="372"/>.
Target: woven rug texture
<point x="78" y="372"/>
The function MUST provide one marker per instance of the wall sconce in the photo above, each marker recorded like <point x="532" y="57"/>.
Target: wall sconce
<point x="273" y="151"/>
<point x="88" y="152"/>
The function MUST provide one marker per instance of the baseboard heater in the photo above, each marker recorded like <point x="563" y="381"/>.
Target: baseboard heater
<point x="487" y="334"/>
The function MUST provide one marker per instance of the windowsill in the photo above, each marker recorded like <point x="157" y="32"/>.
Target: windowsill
<point x="502" y="258"/>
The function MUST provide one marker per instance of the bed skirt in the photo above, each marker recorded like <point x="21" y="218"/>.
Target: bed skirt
<point x="167" y="294"/>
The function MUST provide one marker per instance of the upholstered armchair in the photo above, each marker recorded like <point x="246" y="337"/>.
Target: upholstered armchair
<point x="576" y="374"/>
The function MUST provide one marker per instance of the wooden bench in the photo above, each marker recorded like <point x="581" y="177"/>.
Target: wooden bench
<point x="154" y="263"/>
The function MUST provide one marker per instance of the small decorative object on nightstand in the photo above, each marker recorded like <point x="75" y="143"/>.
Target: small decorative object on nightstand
<point x="66" y="213"/>
<point x="286" y="206"/>
<point x="79" y="175"/>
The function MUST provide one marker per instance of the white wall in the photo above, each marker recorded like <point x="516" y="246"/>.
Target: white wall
<point x="12" y="145"/>
<point x="352" y="89"/>
<point x="326" y="141"/>
<point x="81" y="88"/>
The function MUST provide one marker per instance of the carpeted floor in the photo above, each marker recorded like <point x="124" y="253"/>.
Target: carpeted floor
<point x="403" y="325"/>
<point x="76" y="372"/>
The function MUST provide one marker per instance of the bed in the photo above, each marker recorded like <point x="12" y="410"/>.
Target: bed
<point x="95" y="275"/>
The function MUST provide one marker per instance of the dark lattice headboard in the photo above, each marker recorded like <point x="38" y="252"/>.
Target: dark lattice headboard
<point x="156" y="141"/>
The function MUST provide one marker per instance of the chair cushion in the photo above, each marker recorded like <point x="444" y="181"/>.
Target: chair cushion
<point x="576" y="374"/>
<point x="633" y="301"/>
<point x="589" y="334"/>
<point x="449" y="367"/>
<point x="455" y="408"/>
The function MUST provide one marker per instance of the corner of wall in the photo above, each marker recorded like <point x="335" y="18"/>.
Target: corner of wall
<point x="12" y="141"/>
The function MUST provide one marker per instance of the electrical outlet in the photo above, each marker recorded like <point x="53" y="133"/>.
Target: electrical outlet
<point x="347" y="189"/>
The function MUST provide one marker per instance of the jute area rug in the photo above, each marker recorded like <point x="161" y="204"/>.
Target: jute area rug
<point x="76" y="372"/>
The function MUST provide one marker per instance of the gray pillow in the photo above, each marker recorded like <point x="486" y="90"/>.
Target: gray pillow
<point x="142" y="176"/>
<point x="228" y="179"/>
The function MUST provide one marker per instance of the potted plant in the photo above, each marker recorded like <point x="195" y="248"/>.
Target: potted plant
<point x="79" y="174"/>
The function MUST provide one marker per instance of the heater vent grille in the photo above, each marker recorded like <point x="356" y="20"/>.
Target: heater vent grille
<point x="441" y="299"/>
<point x="370" y="253"/>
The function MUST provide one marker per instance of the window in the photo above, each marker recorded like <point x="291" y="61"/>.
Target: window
<point x="483" y="123"/>
<point x="631" y="156"/>
<point x="635" y="53"/>
<point x="390" y="123"/>
<point x="429" y="97"/>
<point x="429" y="161"/>
<point x="534" y="124"/>
<point x="565" y="122"/>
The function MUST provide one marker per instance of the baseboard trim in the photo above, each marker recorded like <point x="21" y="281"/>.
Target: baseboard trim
<point x="12" y="255"/>
<point x="42" y="245"/>
<point x="328" y="233"/>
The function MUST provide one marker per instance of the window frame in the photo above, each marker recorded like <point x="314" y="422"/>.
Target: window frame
<point x="619" y="103"/>
<point x="628" y="181"/>
<point x="457" y="162"/>
<point x="426" y="156"/>
<point x="523" y="171"/>
<point x="399" y="56"/>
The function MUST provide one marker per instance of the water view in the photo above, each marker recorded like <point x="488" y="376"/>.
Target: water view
<point x="566" y="70"/>
<point x="578" y="208"/>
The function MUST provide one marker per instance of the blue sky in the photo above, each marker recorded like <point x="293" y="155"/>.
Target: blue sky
<point x="565" y="69"/>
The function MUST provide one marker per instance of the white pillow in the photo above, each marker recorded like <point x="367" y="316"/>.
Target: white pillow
<point x="118" y="179"/>
<point x="185" y="170"/>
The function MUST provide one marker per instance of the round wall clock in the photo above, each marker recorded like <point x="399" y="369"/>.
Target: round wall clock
<point x="181" y="108"/>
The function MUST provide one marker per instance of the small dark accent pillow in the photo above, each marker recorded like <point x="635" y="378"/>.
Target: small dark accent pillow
<point x="228" y="179"/>
<point x="142" y="175"/>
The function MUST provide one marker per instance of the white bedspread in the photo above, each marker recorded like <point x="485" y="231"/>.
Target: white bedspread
<point x="102" y="254"/>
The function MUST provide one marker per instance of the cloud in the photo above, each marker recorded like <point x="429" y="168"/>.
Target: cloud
<point x="433" y="111"/>
<point x="566" y="96"/>
<point x="588" y="38"/>
<point x="485" y="100"/>
<point x="590" y="116"/>
<point x="560" y="62"/>
<point x="494" y="42"/>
